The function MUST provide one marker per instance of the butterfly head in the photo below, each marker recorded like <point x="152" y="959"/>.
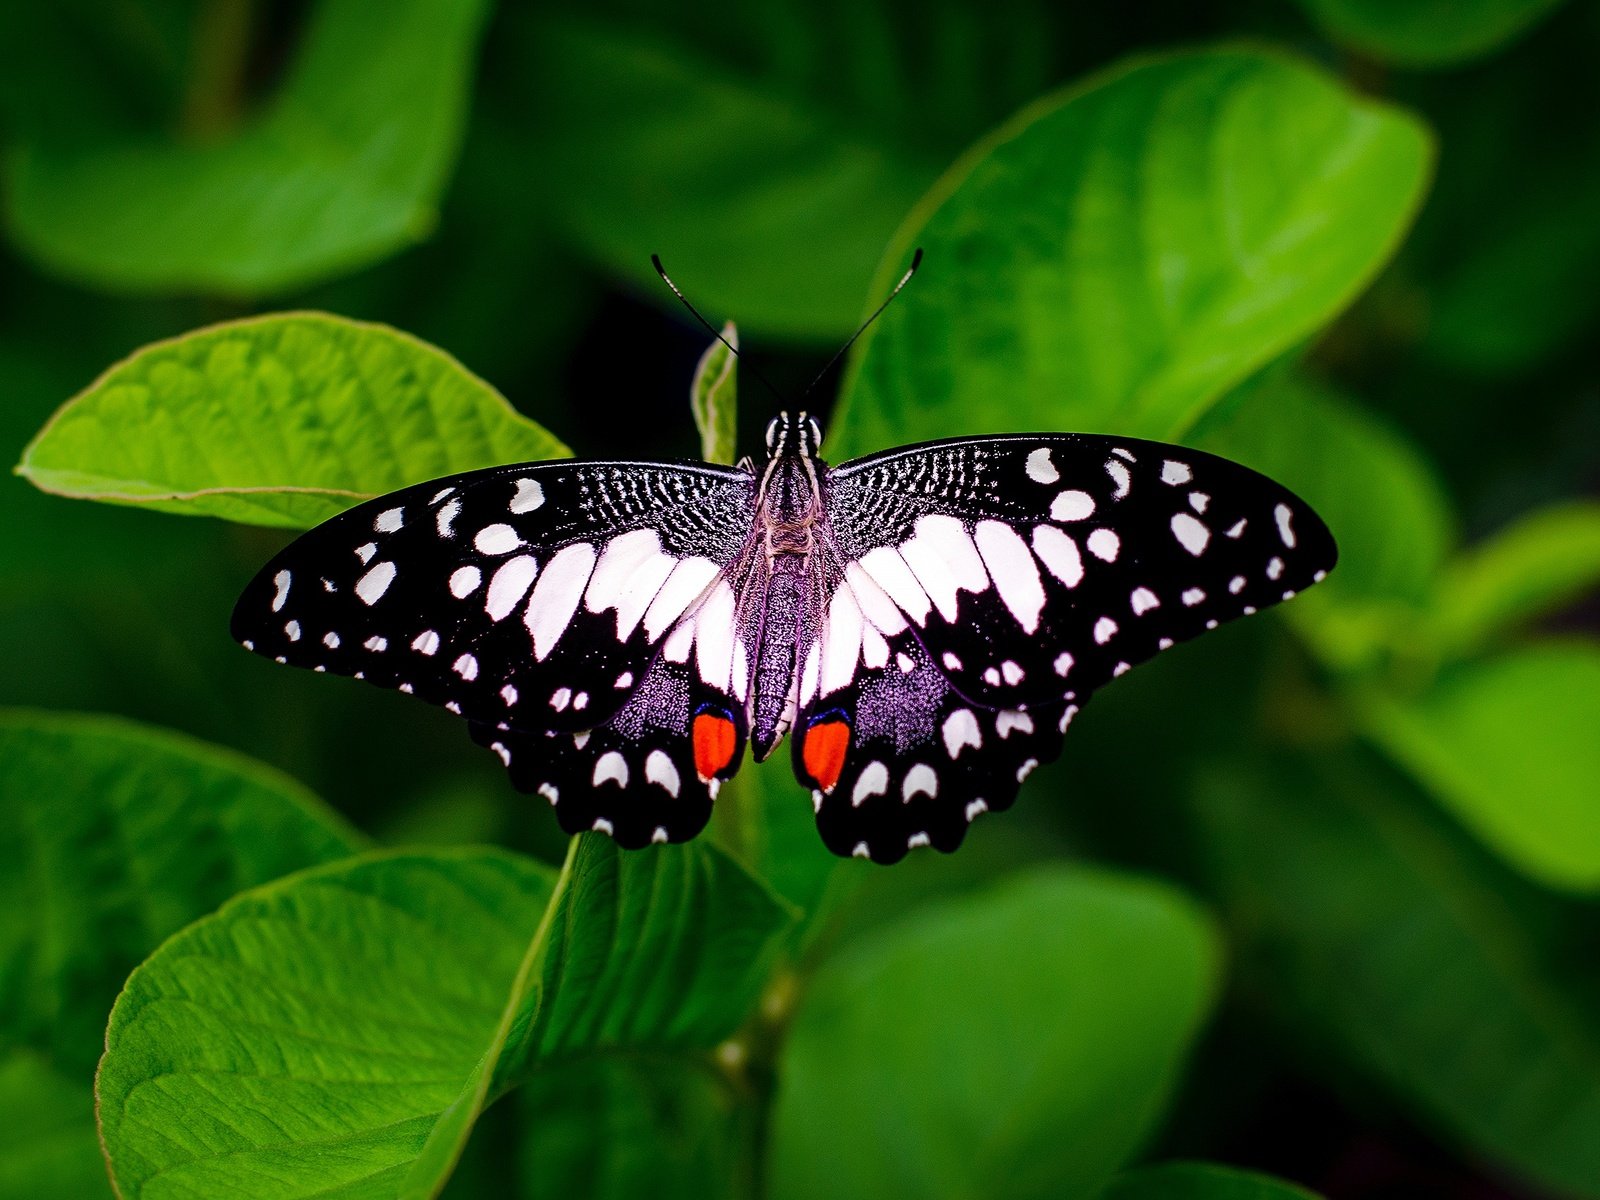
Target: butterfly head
<point x="793" y="433"/>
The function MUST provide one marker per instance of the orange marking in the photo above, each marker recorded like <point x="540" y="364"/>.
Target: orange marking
<point x="824" y="750"/>
<point x="715" y="739"/>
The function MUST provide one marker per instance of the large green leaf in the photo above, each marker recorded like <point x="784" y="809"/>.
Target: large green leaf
<point x="1512" y="747"/>
<point x="344" y="164"/>
<point x="1200" y="1181"/>
<point x="1116" y="257"/>
<point x="118" y="835"/>
<point x="1366" y="923"/>
<point x="1425" y="33"/>
<point x="281" y="420"/>
<point x="338" y="1033"/>
<point x="48" y="1146"/>
<point x="766" y="150"/>
<point x="307" y="1038"/>
<point x="615" y="1127"/>
<point x="1546" y="560"/>
<point x="1016" y="1043"/>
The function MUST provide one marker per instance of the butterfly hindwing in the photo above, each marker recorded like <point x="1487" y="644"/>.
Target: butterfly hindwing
<point x="1036" y="568"/>
<point x="533" y="596"/>
<point x="897" y="759"/>
<point x="648" y="774"/>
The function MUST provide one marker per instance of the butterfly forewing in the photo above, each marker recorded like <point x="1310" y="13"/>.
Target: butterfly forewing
<point x="1003" y="580"/>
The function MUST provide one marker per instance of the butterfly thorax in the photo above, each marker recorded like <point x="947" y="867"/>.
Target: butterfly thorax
<point x="782" y="594"/>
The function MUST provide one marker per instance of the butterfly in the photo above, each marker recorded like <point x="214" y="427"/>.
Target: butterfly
<point x="923" y="623"/>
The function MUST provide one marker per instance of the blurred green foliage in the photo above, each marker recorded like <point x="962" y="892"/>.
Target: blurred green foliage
<point x="1315" y="897"/>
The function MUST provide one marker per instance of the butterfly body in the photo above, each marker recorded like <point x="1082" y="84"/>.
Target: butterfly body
<point x="923" y="624"/>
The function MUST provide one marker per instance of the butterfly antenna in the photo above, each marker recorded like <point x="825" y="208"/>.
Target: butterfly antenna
<point x="655" y="261"/>
<point x="916" y="261"/>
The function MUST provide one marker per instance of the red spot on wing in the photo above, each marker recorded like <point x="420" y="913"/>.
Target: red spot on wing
<point x="823" y="752"/>
<point x="715" y="740"/>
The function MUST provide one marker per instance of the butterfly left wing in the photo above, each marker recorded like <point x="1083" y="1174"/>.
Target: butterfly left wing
<point x="580" y="616"/>
<point x="533" y="595"/>
<point x="1005" y="579"/>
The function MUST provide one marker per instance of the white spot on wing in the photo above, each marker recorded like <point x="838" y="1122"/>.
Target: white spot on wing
<point x="496" y="539"/>
<point x="1012" y="672"/>
<point x="1040" y="468"/>
<point x="292" y="628"/>
<point x="1063" y="663"/>
<point x="371" y="586"/>
<point x="611" y="768"/>
<point x="281" y="582"/>
<point x="508" y="585"/>
<point x="874" y="781"/>
<point x="467" y="667"/>
<point x="376" y="643"/>
<point x="1190" y="532"/>
<point x="1175" y="473"/>
<point x="1193" y="596"/>
<point x="464" y="581"/>
<point x="530" y="495"/>
<point x="444" y="519"/>
<point x="961" y="730"/>
<point x="1120" y="476"/>
<point x="1282" y="514"/>
<point x="366" y="551"/>
<point x="921" y="780"/>
<point x="1015" y="576"/>
<point x="1059" y="553"/>
<point x="1104" y="545"/>
<point x="555" y="598"/>
<point x="660" y="769"/>
<point x="426" y="642"/>
<point x="1009" y="720"/>
<point x="390" y="520"/>
<point x="330" y="640"/>
<point x="1104" y="630"/>
<point x="1143" y="600"/>
<point x="1072" y="505"/>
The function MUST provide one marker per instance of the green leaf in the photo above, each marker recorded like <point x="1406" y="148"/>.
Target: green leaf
<point x="1200" y="1181"/>
<point x="1020" y="1042"/>
<point x="1512" y="747"/>
<point x="714" y="398"/>
<point x="617" y="1128"/>
<point x="1546" y="560"/>
<point x="1427" y="33"/>
<point x="1364" y="921"/>
<point x="281" y="420"/>
<point x="666" y="948"/>
<point x="118" y="835"/>
<point x="1118" y="256"/>
<point x="344" y="165"/>
<point x="766" y="150"/>
<point x="307" y="1038"/>
<point x="376" y="1006"/>
<point x="48" y="1145"/>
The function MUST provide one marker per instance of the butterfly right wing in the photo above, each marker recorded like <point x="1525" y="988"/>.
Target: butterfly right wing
<point x="531" y="597"/>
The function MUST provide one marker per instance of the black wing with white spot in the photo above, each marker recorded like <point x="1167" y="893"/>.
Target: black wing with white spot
<point x="532" y="595"/>
<point x="533" y="599"/>
<point x="1016" y="575"/>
